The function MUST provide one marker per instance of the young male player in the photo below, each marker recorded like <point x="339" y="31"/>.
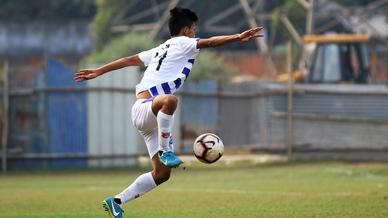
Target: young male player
<point x="168" y="66"/>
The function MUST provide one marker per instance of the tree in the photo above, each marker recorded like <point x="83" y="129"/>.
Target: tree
<point x="104" y="20"/>
<point x="294" y="11"/>
<point x="111" y="46"/>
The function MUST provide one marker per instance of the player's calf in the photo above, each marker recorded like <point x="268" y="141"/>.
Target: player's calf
<point x="161" y="176"/>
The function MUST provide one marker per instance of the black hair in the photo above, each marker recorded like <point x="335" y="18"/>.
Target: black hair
<point x="179" y="18"/>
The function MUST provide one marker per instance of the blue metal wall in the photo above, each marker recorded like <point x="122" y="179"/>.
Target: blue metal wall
<point x="66" y="114"/>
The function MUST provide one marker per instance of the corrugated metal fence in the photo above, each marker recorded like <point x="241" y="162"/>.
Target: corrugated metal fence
<point x="56" y="123"/>
<point x="344" y="121"/>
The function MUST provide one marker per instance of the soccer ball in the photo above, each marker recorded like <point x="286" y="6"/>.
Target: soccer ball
<point x="208" y="148"/>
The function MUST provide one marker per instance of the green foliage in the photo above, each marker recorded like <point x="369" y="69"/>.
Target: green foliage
<point x="122" y="46"/>
<point x="210" y="66"/>
<point x="104" y="20"/>
<point x="110" y="47"/>
<point x="296" y="14"/>
<point x="294" y="11"/>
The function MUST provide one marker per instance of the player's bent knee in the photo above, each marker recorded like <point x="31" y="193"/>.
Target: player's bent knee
<point x="171" y="100"/>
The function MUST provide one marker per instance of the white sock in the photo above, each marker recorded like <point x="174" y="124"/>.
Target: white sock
<point x="165" y="123"/>
<point x="139" y="187"/>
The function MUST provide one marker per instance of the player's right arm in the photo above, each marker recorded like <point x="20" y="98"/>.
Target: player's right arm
<point x="222" y="40"/>
<point x="86" y="74"/>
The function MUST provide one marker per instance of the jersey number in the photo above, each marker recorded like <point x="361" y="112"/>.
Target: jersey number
<point x="161" y="60"/>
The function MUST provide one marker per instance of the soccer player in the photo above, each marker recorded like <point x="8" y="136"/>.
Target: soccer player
<point x="168" y="66"/>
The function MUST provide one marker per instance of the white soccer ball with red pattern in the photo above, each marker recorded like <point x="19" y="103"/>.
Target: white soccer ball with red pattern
<point x="208" y="148"/>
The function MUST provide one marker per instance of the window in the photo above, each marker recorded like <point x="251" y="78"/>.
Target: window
<point x="331" y="66"/>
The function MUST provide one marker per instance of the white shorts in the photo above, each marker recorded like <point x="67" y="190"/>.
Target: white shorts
<point x="145" y="121"/>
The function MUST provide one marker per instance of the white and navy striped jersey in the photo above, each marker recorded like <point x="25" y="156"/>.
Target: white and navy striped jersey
<point x="168" y="65"/>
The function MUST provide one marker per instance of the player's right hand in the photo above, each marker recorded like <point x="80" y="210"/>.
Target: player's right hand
<point x="86" y="74"/>
<point x="250" y="34"/>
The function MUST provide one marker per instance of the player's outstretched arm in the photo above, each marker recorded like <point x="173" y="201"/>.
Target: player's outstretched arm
<point x="222" y="40"/>
<point x="86" y="74"/>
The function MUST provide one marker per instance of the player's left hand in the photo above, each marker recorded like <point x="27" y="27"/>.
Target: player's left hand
<point x="250" y="34"/>
<point x="86" y="74"/>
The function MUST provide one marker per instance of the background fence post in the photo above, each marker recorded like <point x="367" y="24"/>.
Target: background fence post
<point x="289" y="101"/>
<point x="5" y="117"/>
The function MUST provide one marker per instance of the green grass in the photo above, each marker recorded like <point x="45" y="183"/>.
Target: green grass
<point x="323" y="189"/>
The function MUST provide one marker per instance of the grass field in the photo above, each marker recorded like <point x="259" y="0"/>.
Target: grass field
<point x="317" y="189"/>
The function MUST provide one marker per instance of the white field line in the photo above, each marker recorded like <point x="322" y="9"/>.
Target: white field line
<point x="246" y="192"/>
<point x="236" y="191"/>
<point x="339" y="171"/>
<point x="348" y="172"/>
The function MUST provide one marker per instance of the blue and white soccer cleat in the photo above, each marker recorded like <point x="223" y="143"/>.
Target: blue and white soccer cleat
<point x="170" y="159"/>
<point x="114" y="210"/>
